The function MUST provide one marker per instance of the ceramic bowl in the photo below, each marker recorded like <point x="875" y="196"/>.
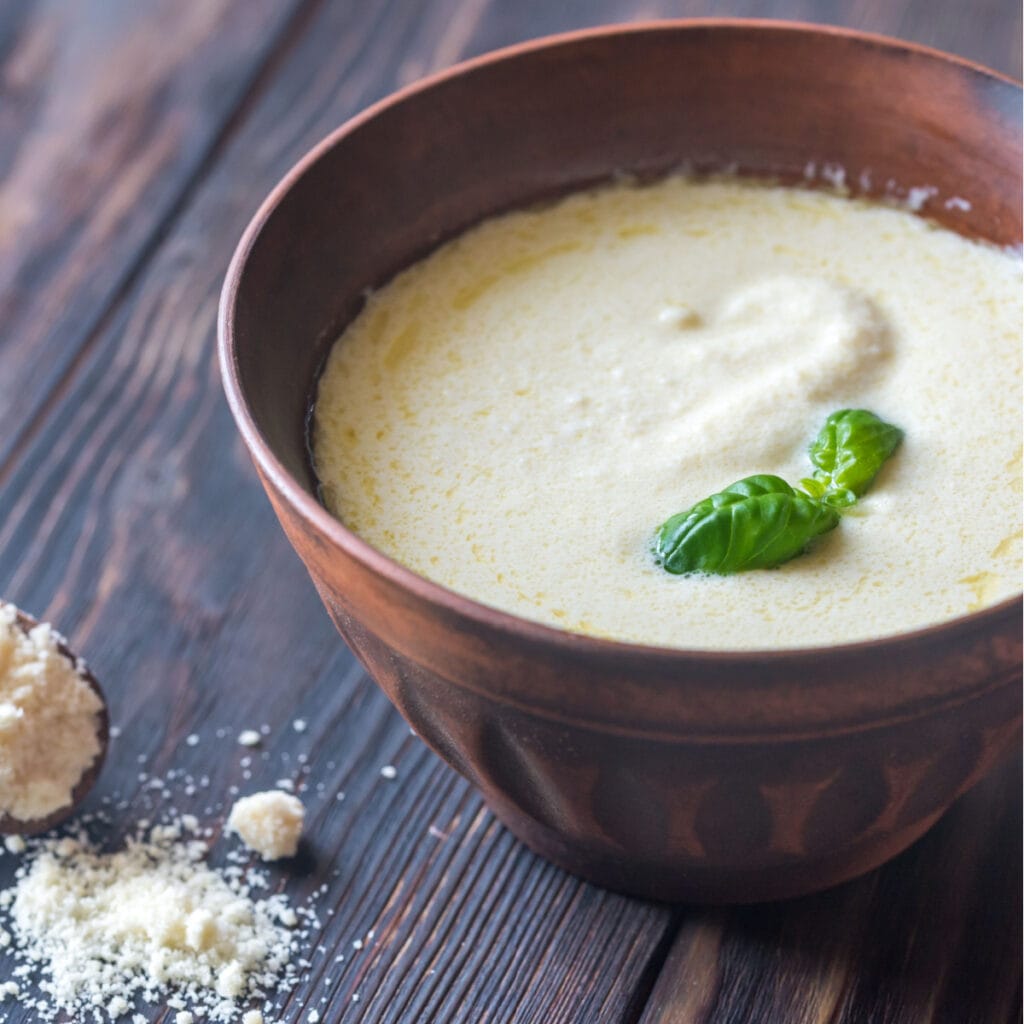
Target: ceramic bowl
<point x="674" y="774"/>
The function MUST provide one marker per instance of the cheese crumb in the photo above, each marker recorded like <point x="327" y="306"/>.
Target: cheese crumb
<point x="200" y="930"/>
<point x="183" y="1017"/>
<point x="118" y="1007"/>
<point x="231" y="981"/>
<point x="269" y="823"/>
<point x="49" y="721"/>
<point x="15" y="844"/>
<point x="249" y="738"/>
<point x="389" y="771"/>
<point x="253" y="1017"/>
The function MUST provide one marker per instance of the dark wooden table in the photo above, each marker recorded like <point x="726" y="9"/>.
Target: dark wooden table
<point x="136" y="139"/>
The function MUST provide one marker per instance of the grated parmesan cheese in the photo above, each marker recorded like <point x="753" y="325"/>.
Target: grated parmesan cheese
<point x="151" y="923"/>
<point x="14" y="844"/>
<point x="269" y="823"/>
<point x="49" y="721"/>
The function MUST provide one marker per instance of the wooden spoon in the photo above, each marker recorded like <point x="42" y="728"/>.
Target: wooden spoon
<point x="14" y="826"/>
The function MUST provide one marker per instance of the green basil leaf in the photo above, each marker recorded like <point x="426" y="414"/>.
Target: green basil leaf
<point x="756" y="523"/>
<point x="819" y="490"/>
<point x="851" y="449"/>
<point x="813" y="488"/>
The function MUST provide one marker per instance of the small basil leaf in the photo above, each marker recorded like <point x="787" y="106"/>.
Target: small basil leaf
<point x="813" y="488"/>
<point x="839" y="499"/>
<point x="756" y="523"/>
<point x="851" y="449"/>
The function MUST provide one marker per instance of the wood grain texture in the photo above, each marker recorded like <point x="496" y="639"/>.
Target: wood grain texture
<point x="129" y="515"/>
<point x="108" y="109"/>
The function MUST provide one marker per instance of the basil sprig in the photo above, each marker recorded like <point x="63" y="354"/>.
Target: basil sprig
<point x="760" y="522"/>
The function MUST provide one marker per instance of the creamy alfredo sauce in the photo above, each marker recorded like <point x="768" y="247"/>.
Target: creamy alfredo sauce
<point x="515" y="415"/>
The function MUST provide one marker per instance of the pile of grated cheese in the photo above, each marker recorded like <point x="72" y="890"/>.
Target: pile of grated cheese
<point x="149" y="924"/>
<point x="49" y="721"/>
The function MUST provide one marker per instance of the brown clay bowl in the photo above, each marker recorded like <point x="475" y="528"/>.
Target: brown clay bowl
<point x="675" y="774"/>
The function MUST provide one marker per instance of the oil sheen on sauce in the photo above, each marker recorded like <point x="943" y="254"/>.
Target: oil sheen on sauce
<point x="513" y="416"/>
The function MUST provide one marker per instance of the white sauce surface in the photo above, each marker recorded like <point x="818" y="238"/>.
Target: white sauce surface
<point x="515" y="415"/>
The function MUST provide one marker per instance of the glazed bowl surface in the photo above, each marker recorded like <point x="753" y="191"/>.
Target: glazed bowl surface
<point x="675" y="774"/>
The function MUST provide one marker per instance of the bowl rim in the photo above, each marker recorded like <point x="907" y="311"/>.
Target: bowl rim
<point x="318" y="518"/>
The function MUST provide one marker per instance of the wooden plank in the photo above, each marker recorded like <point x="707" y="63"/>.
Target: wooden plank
<point x="108" y="110"/>
<point x="932" y="937"/>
